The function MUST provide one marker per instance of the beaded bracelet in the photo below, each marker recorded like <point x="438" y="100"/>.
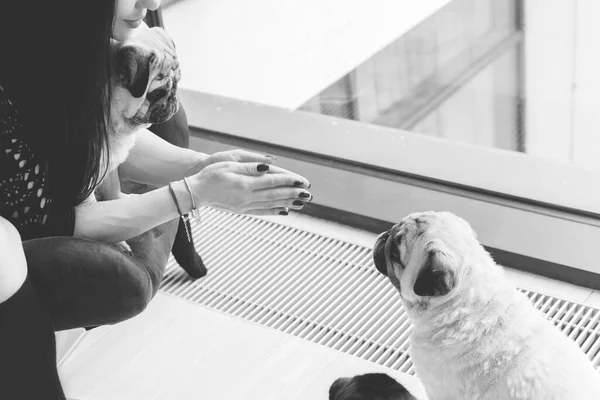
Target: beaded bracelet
<point x="184" y="218"/>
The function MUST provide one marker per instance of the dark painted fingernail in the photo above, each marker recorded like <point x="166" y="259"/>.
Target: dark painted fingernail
<point x="309" y="185"/>
<point x="262" y="167"/>
<point x="298" y="203"/>
<point x="298" y="184"/>
<point x="283" y="213"/>
<point x="304" y="195"/>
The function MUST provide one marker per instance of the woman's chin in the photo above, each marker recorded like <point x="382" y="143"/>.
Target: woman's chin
<point x="121" y="34"/>
<point x="123" y="31"/>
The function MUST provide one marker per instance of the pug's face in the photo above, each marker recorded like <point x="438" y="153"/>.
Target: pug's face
<point x="144" y="84"/>
<point x="424" y="255"/>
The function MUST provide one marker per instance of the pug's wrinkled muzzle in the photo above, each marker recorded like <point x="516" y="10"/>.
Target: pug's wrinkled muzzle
<point x="379" y="253"/>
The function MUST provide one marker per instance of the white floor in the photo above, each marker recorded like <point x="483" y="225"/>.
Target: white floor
<point x="180" y="351"/>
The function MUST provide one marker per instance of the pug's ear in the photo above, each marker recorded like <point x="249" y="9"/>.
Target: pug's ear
<point x="437" y="277"/>
<point x="133" y="69"/>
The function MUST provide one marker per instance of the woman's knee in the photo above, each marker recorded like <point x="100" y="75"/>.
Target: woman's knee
<point x="124" y="293"/>
<point x="135" y="288"/>
<point x="136" y="299"/>
<point x="152" y="250"/>
<point x="87" y="283"/>
<point x="13" y="265"/>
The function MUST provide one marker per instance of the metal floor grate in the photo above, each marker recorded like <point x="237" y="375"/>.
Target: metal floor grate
<point x="323" y="290"/>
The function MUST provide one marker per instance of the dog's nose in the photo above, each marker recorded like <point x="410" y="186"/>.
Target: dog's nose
<point x="379" y="253"/>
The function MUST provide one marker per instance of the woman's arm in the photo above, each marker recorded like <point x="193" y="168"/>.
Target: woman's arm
<point x="240" y="187"/>
<point x="155" y="161"/>
<point x="114" y="221"/>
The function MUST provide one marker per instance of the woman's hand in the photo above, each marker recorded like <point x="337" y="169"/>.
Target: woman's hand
<point x="239" y="156"/>
<point x="229" y="155"/>
<point x="250" y="187"/>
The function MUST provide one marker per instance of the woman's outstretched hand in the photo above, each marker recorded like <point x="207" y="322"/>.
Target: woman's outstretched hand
<point x="249" y="187"/>
<point x="237" y="155"/>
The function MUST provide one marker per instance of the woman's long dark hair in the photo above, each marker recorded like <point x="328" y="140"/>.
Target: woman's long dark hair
<point x="55" y="64"/>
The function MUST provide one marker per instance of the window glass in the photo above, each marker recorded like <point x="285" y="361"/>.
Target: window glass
<point x="500" y="74"/>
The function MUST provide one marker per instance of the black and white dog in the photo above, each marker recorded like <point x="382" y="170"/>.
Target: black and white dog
<point x="376" y="386"/>
<point x="143" y="92"/>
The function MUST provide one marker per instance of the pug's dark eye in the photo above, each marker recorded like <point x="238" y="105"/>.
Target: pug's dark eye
<point x="395" y="253"/>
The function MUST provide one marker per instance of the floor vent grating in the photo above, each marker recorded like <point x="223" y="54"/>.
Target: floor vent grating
<point x="323" y="290"/>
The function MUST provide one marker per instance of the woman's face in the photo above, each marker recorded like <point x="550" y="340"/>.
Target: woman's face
<point x="129" y="15"/>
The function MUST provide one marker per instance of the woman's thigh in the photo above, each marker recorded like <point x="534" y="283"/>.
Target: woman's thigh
<point x="87" y="283"/>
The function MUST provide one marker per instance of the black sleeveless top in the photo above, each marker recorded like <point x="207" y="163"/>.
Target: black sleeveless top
<point x="24" y="196"/>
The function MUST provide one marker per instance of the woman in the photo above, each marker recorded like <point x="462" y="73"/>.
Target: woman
<point x="57" y="270"/>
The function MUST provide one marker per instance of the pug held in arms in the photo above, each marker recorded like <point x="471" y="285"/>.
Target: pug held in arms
<point x="143" y="92"/>
<point x="474" y="335"/>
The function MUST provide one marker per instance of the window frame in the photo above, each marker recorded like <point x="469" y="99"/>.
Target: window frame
<point x="549" y="205"/>
<point x="391" y="173"/>
<point x="532" y="180"/>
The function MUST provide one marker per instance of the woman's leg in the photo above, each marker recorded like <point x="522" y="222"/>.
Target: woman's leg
<point x="86" y="283"/>
<point x="27" y="348"/>
<point x="27" y="343"/>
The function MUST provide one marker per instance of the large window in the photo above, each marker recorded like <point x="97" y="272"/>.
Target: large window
<point x="466" y="56"/>
<point x="486" y="108"/>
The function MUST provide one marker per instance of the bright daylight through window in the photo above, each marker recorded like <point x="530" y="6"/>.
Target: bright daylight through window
<point x="450" y="104"/>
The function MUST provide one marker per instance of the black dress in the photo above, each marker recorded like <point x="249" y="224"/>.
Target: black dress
<point x="24" y="195"/>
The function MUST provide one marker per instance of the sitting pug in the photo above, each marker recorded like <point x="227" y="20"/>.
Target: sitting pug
<point x="474" y="335"/>
<point x="368" y="387"/>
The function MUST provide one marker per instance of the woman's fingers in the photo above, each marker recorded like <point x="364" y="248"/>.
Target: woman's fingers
<point x="247" y="156"/>
<point x="268" y="211"/>
<point x="281" y="193"/>
<point x="294" y="204"/>
<point x="276" y="180"/>
<point x="279" y="177"/>
<point x="299" y="180"/>
<point x="241" y="156"/>
<point x="245" y="168"/>
<point x="276" y="176"/>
